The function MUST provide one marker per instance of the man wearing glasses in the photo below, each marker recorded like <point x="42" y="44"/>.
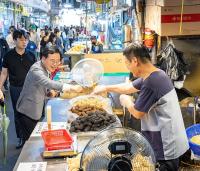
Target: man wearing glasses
<point x="16" y="65"/>
<point x="37" y="83"/>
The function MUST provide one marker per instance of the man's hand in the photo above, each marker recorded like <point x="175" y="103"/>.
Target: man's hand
<point x="76" y="88"/>
<point x="52" y="93"/>
<point x="126" y="100"/>
<point x="1" y="95"/>
<point x="99" y="89"/>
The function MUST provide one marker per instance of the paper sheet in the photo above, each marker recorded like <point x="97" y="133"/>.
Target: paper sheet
<point x="32" y="166"/>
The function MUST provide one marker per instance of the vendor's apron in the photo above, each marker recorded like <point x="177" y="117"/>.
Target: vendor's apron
<point x="164" y="128"/>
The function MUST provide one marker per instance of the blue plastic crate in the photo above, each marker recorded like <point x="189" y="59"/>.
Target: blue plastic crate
<point x="192" y="131"/>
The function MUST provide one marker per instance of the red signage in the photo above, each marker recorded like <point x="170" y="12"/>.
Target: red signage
<point x="175" y="18"/>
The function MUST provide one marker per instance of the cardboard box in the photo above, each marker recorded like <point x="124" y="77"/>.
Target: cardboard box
<point x="112" y="62"/>
<point x="166" y="20"/>
<point x="172" y="2"/>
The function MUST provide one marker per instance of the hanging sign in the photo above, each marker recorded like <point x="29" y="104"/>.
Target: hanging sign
<point x="102" y="1"/>
<point x="99" y="8"/>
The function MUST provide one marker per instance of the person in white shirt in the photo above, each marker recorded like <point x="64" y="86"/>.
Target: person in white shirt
<point x="9" y="37"/>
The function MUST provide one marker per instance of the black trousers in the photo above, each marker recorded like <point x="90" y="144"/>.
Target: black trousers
<point x="70" y="42"/>
<point x="27" y="125"/>
<point x="169" y="165"/>
<point x="14" y="94"/>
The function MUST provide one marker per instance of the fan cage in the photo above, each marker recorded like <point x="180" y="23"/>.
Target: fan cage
<point x="96" y="155"/>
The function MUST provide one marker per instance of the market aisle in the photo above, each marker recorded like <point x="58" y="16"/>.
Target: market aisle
<point x="12" y="140"/>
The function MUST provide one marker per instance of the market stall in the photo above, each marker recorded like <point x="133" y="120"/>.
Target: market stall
<point x="84" y="117"/>
<point x="76" y="53"/>
<point x="33" y="148"/>
<point x="75" y="57"/>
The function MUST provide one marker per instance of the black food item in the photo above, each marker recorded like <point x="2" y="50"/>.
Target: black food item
<point x="93" y="121"/>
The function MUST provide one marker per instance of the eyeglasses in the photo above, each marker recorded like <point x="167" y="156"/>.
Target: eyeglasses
<point x="54" y="62"/>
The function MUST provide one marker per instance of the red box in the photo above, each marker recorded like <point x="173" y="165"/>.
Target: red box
<point x="57" y="139"/>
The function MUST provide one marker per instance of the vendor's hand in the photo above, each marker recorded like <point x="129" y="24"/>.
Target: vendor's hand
<point x="52" y="93"/>
<point x="126" y="100"/>
<point x="99" y="89"/>
<point x="1" y="95"/>
<point x="76" y="88"/>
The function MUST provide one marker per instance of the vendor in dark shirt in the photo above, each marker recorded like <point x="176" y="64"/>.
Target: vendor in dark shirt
<point x="156" y="106"/>
<point x="97" y="47"/>
<point x="16" y="65"/>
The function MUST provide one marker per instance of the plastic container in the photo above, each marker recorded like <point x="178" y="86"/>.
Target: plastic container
<point x="192" y="131"/>
<point x="57" y="139"/>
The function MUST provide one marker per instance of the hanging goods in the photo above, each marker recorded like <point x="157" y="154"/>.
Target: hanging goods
<point x="173" y="63"/>
<point x="149" y="38"/>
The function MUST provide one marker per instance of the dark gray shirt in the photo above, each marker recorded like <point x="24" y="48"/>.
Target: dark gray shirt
<point x="151" y="89"/>
<point x="162" y="124"/>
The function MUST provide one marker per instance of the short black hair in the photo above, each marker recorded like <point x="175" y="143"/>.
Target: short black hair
<point x="12" y="27"/>
<point x="19" y="33"/>
<point x="50" y="50"/>
<point x="137" y="50"/>
<point x="93" y="38"/>
<point x="51" y="37"/>
<point x="56" y="30"/>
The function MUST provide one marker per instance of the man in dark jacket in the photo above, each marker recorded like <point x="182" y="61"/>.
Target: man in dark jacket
<point x="4" y="48"/>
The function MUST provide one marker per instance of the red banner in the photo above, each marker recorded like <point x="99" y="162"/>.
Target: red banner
<point x="175" y="18"/>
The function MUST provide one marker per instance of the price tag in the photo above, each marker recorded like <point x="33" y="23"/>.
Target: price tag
<point x="32" y="166"/>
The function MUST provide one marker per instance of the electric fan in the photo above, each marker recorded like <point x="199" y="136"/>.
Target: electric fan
<point x="118" y="149"/>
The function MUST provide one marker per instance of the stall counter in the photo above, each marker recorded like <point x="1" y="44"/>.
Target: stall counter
<point x="33" y="148"/>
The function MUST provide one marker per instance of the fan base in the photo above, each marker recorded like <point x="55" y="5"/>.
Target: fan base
<point x="120" y="163"/>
